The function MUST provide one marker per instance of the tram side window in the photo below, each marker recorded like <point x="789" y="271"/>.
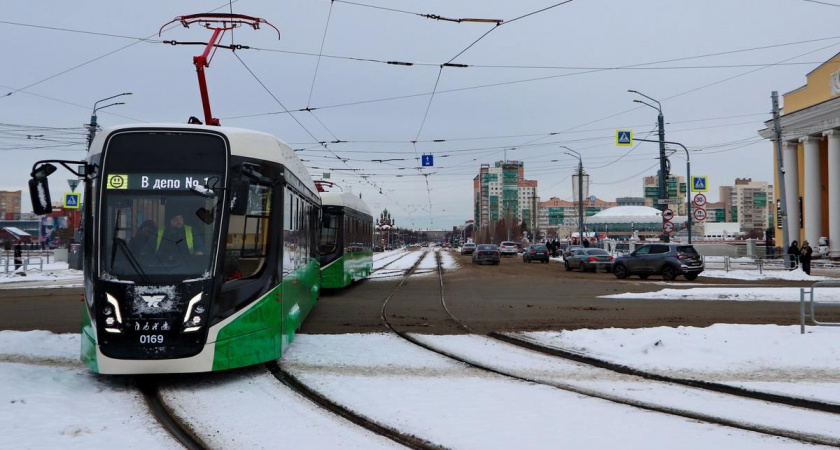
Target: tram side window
<point x="329" y="234"/>
<point x="247" y="239"/>
<point x="297" y="233"/>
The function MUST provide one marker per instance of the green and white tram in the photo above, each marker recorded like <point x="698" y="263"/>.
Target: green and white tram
<point x="199" y="248"/>
<point x="346" y="244"/>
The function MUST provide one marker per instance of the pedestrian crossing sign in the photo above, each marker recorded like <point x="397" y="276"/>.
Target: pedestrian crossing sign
<point x="624" y="138"/>
<point x="699" y="183"/>
<point x="72" y="200"/>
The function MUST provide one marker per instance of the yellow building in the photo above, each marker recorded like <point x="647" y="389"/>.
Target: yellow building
<point x="810" y="123"/>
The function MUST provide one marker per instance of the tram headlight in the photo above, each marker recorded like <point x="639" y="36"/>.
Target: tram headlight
<point x="109" y="321"/>
<point x="193" y="309"/>
<point x="113" y="301"/>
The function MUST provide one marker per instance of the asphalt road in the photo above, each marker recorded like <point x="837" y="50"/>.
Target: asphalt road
<point x="508" y="297"/>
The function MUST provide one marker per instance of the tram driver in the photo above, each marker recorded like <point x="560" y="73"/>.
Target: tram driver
<point x="177" y="241"/>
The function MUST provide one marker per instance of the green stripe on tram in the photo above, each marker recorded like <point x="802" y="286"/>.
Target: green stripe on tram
<point x="349" y="267"/>
<point x="246" y="340"/>
<point x="88" y="350"/>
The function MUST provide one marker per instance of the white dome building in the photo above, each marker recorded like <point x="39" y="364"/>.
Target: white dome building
<point x="621" y="222"/>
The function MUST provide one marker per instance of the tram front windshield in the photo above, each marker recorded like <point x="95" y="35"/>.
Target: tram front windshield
<point x="155" y="237"/>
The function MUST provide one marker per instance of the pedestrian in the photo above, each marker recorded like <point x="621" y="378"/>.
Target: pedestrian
<point x="793" y="253"/>
<point x="805" y="257"/>
<point x="18" y="256"/>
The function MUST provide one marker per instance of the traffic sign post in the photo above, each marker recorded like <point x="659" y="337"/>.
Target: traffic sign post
<point x="700" y="200"/>
<point x="667" y="214"/>
<point x="624" y="138"/>
<point x="427" y="160"/>
<point x="72" y="200"/>
<point x="700" y="214"/>
<point x="699" y="183"/>
<point x="668" y="227"/>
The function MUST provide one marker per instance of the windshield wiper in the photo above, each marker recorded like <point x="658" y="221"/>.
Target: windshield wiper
<point x="117" y="242"/>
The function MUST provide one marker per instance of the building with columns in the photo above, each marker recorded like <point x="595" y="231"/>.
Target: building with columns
<point x="810" y="123"/>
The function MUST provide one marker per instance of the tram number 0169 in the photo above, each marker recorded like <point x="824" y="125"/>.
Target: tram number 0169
<point x="151" y="339"/>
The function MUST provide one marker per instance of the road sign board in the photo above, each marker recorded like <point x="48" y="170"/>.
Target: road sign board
<point x="667" y="214"/>
<point x="668" y="201"/>
<point x="699" y="183"/>
<point x="428" y="160"/>
<point x="624" y="138"/>
<point x="72" y="200"/>
<point x="668" y="227"/>
<point x="700" y="200"/>
<point x="700" y="214"/>
<point x="592" y="199"/>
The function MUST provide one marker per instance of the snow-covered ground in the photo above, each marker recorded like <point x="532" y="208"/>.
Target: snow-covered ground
<point x="51" y="401"/>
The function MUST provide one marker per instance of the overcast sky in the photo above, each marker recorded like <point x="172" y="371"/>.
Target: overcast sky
<point x="556" y="77"/>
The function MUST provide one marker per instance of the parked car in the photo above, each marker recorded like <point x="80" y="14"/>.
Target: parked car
<point x="570" y="249"/>
<point x="668" y="260"/>
<point x="486" y="253"/>
<point x="468" y="248"/>
<point x="519" y="248"/>
<point x="537" y="252"/>
<point x="508" y="248"/>
<point x="589" y="259"/>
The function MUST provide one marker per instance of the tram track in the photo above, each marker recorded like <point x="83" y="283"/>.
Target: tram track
<point x="176" y="427"/>
<point x="325" y="403"/>
<point x="292" y="382"/>
<point x="631" y="374"/>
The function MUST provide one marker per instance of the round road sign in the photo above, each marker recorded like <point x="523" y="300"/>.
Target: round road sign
<point x="667" y="227"/>
<point x="700" y="200"/>
<point x="700" y="214"/>
<point x="667" y="214"/>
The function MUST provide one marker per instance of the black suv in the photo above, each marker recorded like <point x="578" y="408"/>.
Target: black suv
<point x="668" y="260"/>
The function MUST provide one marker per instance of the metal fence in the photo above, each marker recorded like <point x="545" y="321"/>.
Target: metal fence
<point x="812" y="305"/>
<point x="31" y="260"/>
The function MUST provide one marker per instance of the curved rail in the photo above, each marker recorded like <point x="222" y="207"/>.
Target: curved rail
<point x="180" y="431"/>
<point x="397" y="436"/>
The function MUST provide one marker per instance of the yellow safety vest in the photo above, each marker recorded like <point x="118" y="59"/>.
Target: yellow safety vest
<point x="187" y="233"/>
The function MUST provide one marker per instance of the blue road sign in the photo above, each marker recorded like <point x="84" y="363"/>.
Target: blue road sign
<point x="624" y="137"/>
<point x="699" y="183"/>
<point x="72" y="200"/>
<point x="428" y="160"/>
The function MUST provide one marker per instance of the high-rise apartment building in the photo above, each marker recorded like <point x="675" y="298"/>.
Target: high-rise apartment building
<point x="749" y="203"/>
<point x="10" y="205"/>
<point x="501" y="192"/>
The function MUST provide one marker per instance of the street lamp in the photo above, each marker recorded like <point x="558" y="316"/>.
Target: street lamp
<point x="580" y="190"/>
<point x="92" y="129"/>
<point x="663" y="189"/>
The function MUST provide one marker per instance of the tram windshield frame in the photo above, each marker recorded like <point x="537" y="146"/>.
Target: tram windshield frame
<point x="148" y="178"/>
<point x="132" y="251"/>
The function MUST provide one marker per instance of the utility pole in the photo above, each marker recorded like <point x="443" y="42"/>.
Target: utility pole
<point x="580" y="191"/>
<point x="780" y="170"/>
<point x="663" y="160"/>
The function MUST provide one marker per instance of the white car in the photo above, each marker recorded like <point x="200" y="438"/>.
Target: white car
<point x="508" y="248"/>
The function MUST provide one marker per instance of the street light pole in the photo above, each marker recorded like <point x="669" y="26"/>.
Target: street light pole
<point x="580" y="190"/>
<point x="663" y="179"/>
<point x="93" y="125"/>
<point x="687" y="181"/>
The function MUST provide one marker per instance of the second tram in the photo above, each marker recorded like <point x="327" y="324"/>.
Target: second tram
<point x="346" y="244"/>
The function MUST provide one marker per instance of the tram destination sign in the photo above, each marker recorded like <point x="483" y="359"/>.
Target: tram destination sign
<point x="159" y="181"/>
